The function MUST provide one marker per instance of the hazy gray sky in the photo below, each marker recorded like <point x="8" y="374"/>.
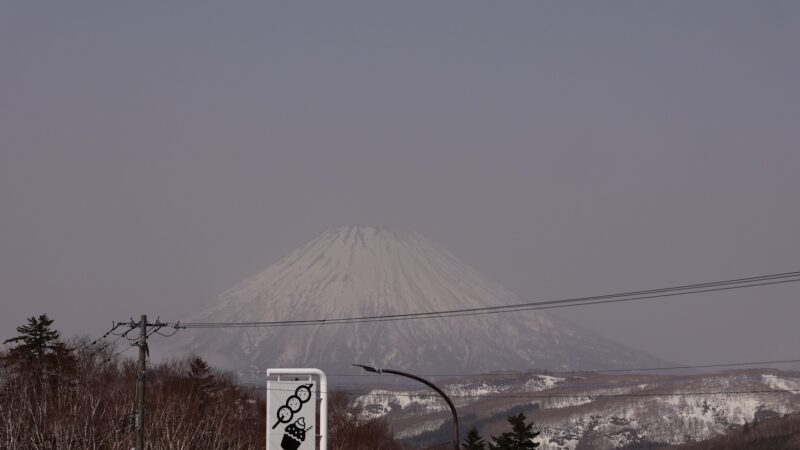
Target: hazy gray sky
<point x="153" y="154"/>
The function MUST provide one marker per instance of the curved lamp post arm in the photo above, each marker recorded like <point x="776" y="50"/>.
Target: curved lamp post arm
<point x="456" y="435"/>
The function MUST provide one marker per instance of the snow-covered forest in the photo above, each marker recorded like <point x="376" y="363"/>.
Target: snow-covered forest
<point x="76" y="394"/>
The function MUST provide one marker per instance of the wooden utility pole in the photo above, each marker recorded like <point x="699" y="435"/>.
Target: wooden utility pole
<point x="140" y="383"/>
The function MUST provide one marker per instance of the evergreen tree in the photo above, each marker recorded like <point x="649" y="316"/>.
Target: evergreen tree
<point x="38" y="344"/>
<point x="201" y="382"/>
<point x="520" y="437"/>
<point x="200" y="374"/>
<point x="199" y="369"/>
<point x="474" y="441"/>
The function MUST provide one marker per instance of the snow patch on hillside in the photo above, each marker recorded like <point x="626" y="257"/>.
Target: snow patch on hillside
<point x="782" y="384"/>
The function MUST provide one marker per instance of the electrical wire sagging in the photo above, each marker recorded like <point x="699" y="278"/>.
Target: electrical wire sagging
<point x="716" y="286"/>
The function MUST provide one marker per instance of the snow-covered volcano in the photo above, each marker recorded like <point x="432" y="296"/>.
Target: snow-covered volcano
<point x="364" y="271"/>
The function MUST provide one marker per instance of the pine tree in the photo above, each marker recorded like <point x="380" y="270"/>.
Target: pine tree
<point x="200" y="374"/>
<point x="199" y="369"/>
<point x="520" y="437"/>
<point x="38" y="345"/>
<point x="201" y="381"/>
<point x="474" y="441"/>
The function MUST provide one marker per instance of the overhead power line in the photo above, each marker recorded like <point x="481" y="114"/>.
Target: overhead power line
<point x="739" y="283"/>
<point x="576" y="371"/>
<point x="583" y="386"/>
<point x="513" y="395"/>
<point x="96" y="341"/>
<point x="587" y="372"/>
<point x="113" y="357"/>
<point x="154" y="329"/>
<point x="105" y="346"/>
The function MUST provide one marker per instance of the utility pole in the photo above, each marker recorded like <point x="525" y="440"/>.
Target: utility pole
<point x="141" y="377"/>
<point x="140" y="383"/>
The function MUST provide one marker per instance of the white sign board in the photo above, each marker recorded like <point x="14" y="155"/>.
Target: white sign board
<point x="291" y="414"/>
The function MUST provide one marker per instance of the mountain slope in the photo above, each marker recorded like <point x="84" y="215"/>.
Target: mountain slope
<point x="361" y="271"/>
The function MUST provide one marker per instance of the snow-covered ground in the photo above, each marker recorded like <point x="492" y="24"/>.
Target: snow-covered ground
<point x="606" y="412"/>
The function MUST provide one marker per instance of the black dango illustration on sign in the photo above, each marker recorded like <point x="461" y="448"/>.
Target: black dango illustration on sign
<point x="293" y="405"/>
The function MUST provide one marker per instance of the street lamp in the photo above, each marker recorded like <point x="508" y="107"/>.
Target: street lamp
<point x="456" y="437"/>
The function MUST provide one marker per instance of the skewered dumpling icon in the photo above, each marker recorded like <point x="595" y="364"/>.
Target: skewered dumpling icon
<point x="294" y="403"/>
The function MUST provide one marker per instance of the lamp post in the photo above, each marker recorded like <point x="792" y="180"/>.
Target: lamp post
<point x="456" y="436"/>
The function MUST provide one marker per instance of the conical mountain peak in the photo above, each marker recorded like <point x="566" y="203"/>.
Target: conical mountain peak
<point x="352" y="271"/>
<point x="364" y="271"/>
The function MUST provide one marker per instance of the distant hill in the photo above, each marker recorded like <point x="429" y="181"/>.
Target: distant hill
<point x="599" y="411"/>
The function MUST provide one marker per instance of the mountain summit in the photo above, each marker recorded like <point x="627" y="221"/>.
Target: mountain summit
<point x="365" y="271"/>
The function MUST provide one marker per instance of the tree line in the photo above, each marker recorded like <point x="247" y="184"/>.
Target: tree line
<point x="69" y="394"/>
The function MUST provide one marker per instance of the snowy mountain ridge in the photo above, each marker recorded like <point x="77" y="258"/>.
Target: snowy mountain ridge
<point x="596" y="411"/>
